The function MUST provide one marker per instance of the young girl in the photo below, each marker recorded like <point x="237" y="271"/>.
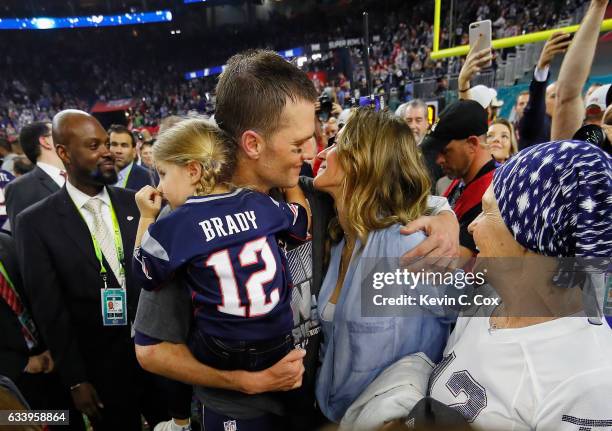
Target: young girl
<point x="222" y="242"/>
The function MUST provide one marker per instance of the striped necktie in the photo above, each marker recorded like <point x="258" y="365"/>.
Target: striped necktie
<point x="105" y="238"/>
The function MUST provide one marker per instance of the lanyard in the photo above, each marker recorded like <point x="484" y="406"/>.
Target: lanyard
<point x="28" y="328"/>
<point x="127" y="176"/>
<point x="8" y="279"/>
<point x="118" y="246"/>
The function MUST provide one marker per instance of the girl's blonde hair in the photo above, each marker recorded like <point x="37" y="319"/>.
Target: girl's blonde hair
<point x="201" y="141"/>
<point x="385" y="179"/>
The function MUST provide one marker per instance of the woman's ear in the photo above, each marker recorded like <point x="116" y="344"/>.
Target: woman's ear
<point x="194" y="169"/>
<point x="251" y="144"/>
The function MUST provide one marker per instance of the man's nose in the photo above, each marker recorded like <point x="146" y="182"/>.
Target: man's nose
<point x="310" y="149"/>
<point x="106" y="151"/>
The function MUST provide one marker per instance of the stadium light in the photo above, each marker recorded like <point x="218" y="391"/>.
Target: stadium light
<point x="49" y="23"/>
<point x="212" y="71"/>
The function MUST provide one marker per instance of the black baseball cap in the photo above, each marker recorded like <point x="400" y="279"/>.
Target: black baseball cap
<point x="460" y="120"/>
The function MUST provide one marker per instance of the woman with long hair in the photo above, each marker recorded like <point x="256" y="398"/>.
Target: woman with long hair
<point x="379" y="183"/>
<point x="501" y="140"/>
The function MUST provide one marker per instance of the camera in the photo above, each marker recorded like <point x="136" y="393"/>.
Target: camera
<point x="325" y="108"/>
<point x="594" y="135"/>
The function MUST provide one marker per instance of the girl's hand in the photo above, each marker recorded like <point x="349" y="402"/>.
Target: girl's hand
<point x="149" y="202"/>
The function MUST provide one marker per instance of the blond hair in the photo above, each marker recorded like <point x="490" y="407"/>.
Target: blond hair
<point x="510" y="127"/>
<point x="203" y="142"/>
<point x="385" y="179"/>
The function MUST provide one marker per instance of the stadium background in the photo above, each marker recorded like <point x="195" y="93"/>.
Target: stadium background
<point x="139" y="73"/>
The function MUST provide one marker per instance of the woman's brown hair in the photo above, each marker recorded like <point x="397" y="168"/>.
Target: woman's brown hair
<point x="385" y="179"/>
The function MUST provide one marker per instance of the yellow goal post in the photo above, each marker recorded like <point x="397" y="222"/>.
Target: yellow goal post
<point x="506" y="42"/>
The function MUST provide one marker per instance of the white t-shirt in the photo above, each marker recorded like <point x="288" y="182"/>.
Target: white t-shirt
<point x="553" y="376"/>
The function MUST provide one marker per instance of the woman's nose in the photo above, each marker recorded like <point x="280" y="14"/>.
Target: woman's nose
<point x="323" y="154"/>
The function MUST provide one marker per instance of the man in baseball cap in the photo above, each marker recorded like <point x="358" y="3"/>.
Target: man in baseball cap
<point x="596" y="104"/>
<point x="457" y="143"/>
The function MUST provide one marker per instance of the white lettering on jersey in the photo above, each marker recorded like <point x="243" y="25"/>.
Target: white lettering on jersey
<point x="216" y="227"/>
<point x="242" y="221"/>
<point x="251" y="216"/>
<point x="231" y="225"/>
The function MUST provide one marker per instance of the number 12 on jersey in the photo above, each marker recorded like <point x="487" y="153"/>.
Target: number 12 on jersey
<point x="249" y="255"/>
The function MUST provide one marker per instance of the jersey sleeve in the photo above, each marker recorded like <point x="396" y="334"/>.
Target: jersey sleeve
<point x="158" y="256"/>
<point x="296" y="219"/>
<point x="437" y="204"/>
<point x="581" y="403"/>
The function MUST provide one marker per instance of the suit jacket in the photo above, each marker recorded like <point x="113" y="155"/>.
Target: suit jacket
<point x="26" y="190"/>
<point x="14" y="352"/>
<point x="534" y="127"/>
<point x="62" y="279"/>
<point x="140" y="177"/>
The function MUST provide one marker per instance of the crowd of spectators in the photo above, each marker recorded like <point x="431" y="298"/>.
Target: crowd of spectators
<point x="112" y="269"/>
<point x="147" y="64"/>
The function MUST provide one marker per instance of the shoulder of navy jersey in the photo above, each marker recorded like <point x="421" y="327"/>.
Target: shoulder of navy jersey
<point x="231" y="217"/>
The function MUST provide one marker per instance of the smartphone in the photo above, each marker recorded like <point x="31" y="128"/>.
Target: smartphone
<point x="480" y="36"/>
<point x="376" y="102"/>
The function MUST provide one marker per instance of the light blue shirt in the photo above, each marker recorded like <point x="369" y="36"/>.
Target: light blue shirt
<point x="123" y="174"/>
<point x="356" y="349"/>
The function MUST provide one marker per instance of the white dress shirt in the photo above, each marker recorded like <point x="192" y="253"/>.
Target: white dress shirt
<point x="540" y="75"/>
<point x="122" y="174"/>
<point x="80" y="198"/>
<point x="53" y="172"/>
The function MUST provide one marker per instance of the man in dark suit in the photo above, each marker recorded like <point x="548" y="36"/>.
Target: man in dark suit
<point x="72" y="248"/>
<point x="534" y="127"/>
<point x="24" y="357"/>
<point x="47" y="177"/>
<point x="17" y="353"/>
<point x="14" y="351"/>
<point x="131" y="176"/>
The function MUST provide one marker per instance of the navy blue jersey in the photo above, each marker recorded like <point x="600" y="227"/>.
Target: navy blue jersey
<point x="225" y="248"/>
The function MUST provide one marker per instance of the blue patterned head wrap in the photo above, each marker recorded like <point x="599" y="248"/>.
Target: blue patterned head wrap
<point x="556" y="199"/>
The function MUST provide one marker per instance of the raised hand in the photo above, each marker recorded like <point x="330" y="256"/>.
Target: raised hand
<point x="557" y="44"/>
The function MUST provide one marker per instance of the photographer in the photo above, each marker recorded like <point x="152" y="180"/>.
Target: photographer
<point x="326" y="129"/>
